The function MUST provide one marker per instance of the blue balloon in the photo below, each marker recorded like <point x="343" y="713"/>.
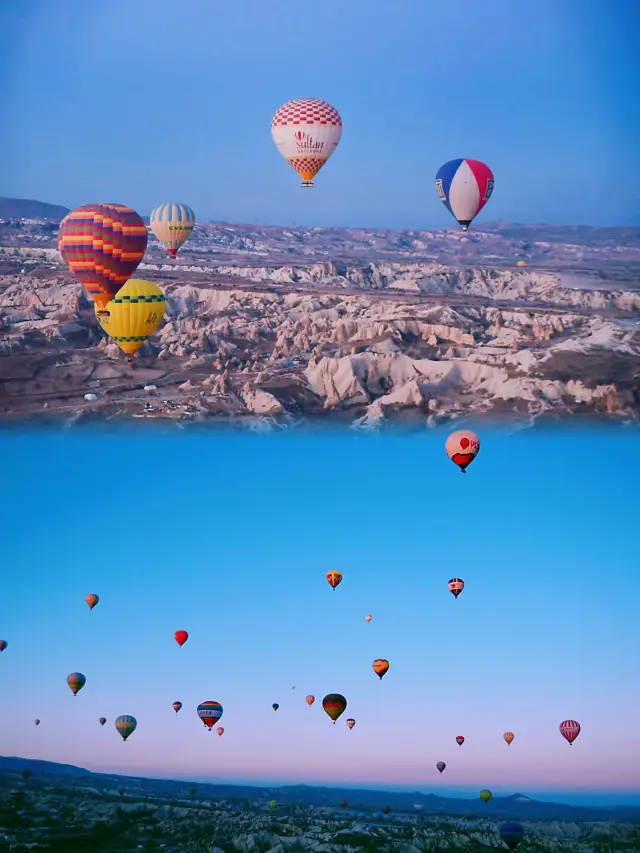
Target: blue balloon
<point x="511" y="833"/>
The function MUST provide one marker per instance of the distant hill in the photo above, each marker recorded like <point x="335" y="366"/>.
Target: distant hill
<point x="515" y="806"/>
<point x="27" y="208"/>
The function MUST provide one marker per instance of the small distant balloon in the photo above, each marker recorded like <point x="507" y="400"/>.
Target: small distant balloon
<point x="511" y="833"/>
<point x="172" y="223"/>
<point x="508" y="736"/>
<point x="441" y="766"/>
<point x="37" y="722"/>
<point x="310" y="700"/>
<point x="462" y="447"/>
<point x="368" y="617"/>
<point x="275" y="706"/>
<point x="521" y="264"/>
<point x="126" y="725"/>
<point x="485" y="796"/>
<point x="456" y="585"/>
<point x="176" y="706"/>
<point x="3" y="645"/>
<point x="273" y="804"/>
<point x="92" y="599"/>
<point x="76" y="681"/>
<point x="181" y="637"/>
<point x="334" y="705"/>
<point x="459" y="740"/>
<point x="102" y="720"/>
<point x="380" y="667"/>
<point x="220" y="731"/>
<point x="334" y="579"/>
<point x="351" y="723"/>
<point x="570" y="729"/>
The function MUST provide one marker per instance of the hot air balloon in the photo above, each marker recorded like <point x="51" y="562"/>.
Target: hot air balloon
<point x="220" y="731"/>
<point x="275" y="706"/>
<point x="133" y="315"/>
<point x="310" y="700"/>
<point x="37" y="722"/>
<point x="102" y="720"/>
<point x="334" y="579"/>
<point x="380" y="667"/>
<point x="521" y="264"/>
<point x="126" y="725"/>
<point x="456" y="585"/>
<point x="351" y="723"/>
<point x="181" y="637"/>
<point x="102" y="244"/>
<point x="465" y="186"/>
<point x="173" y="224"/>
<point x="441" y="766"/>
<point x="293" y="687"/>
<point x="462" y="448"/>
<point x="459" y="740"/>
<point x="511" y="833"/>
<point x="385" y="809"/>
<point x="176" y="706"/>
<point x="334" y="705"/>
<point x="210" y="712"/>
<point x="508" y="736"/>
<point x="368" y="617"/>
<point x="92" y="599"/>
<point x="3" y="645"/>
<point x="570" y="730"/>
<point x="273" y="804"/>
<point x="307" y="133"/>
<point x="76" y="681"/>
<point x="485" y="796"/>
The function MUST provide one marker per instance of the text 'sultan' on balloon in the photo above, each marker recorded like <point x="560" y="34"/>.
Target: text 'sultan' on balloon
<point x="102" y="244"/>
<point x="306" y="132"/>
<point x="133" y="315"/>
<point x="464" y="186"/>
<point x="173" y="224"/>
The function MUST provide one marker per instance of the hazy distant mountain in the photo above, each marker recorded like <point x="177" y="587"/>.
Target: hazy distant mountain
<point x="514" y="806"/>
<point x="27" y="208"/>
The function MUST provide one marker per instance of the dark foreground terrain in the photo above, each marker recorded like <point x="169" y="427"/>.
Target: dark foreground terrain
<point x="62" y="809"/>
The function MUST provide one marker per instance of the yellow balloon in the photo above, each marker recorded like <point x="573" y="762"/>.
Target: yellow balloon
<point x="134" y="313"/>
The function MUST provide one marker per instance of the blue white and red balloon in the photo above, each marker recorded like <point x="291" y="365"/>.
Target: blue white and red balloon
<point x="464" y="186"/>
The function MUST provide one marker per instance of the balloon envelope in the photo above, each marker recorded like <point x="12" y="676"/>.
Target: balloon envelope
<point x="511" y="833"/>
<point x="570" y="729"/>
<point x="508" y="736"/>
<point x="334" y="578"/>
<point x="92" y="599"/>
<point x="485" y="796"/>
<point x="173" y="224"/>
<point x="76" y="681"/>
<point x="441" y="766"/>
<point x="102" y="720"/>
<point x="380" y="667"/>
<point x="456" y="585"/>
<point x="220" y="731"/>
<point x="181" y="637"/>
<point x="306" y="132"/>
<point x="275" y="706"/>
<point x="210" y="712"/>
<point x="459" y="740"/>
<point x="102" y="244"/>
<point x="351" y="723"/>
<point x="133" y="315"/>
<point x="462" y="447"/>
<point x="176" y="706"/>
<point x="464" y="186"/>
<point x="368" y="617"/>
<point x="310" y="700"/>
<point x="126" y="725"/>
<point x="3" y="645"/>
<point x="334" y="705"/>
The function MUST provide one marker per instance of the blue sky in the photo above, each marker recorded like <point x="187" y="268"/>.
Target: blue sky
<point x="145" y="102"/>
<point x="230" y="536"/>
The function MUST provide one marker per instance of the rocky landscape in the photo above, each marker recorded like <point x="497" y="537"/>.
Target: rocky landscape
<point x="269" y="327"/>
<point x="61" y="808"/>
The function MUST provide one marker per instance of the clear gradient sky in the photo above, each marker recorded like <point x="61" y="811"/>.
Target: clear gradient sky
<point x="142" y="102"/>
<point x="230" y="536"/>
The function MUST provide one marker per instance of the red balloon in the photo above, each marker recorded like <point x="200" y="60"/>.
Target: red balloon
<point x="181" y="637"/>
<point x="459" y="740"/>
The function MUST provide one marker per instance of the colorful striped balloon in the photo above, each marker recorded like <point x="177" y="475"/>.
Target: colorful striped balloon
<point x="570" y="729"/>
<point x="76" y="681"/>
<point x="464" y="186"/>
<point x="210" y="712"/>
<point x="102" y="244"/>
<point x="173" y="224"/>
